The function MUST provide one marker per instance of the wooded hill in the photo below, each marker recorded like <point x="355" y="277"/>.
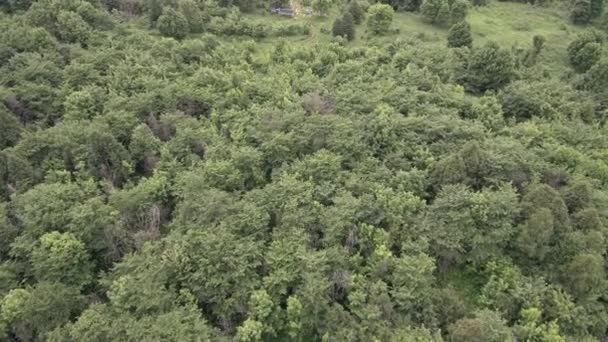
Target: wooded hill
<point x="189" y="170"/>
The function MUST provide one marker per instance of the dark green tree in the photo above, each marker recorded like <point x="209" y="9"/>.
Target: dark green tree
<point x="173" y="24"/>
<point x="458" y="10"/>
<point x="586" y="57"/>
<point x="459" y="35"/>
<point x="154" y="9"/>
<point x="487" y="68"/>
<point x="11" y="129"/>
<point x="355" y="9"/>
<point x="596" y="8"/>
<point x="344" y="26"/>
<point x="31" y="313"/>
<point x="436" y="11"/>
<point x="584" y="276"/>
<point x="191" y="11"/>
<point x="538" y="43"/>
<point x="581" y="12"/>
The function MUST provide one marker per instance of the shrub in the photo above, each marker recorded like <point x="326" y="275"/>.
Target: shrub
<point x="380" y="18"/>
<point x="344" y="26"/>
<point x="173" y="24"/>
<point x="435" y="11"/>
<point x="460" y="35"/>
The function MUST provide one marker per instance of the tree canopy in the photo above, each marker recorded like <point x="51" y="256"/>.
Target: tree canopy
<point x="193" y="170"/>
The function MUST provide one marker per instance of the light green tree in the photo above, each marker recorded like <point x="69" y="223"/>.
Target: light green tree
<point x="379" y="18"/>
<point x="62" y="258"/>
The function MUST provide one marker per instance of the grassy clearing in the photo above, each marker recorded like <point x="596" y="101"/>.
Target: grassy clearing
<point x="508" y="23"/>
<point x="514" y="24"/>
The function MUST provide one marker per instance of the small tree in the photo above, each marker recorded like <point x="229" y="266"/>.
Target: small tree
<point x="71" y="28"/>
<point x="61" y="257"/>
<point x="344" y="26"/>
<point x="154" y="9"/>
<point x="173" y="24"/>
<point x="487" y="68"/>
<point x="581" y="12"/>
<point x="460" y="35"/>
<point x="459" y="10"/>
<point x="585" y="50"/>
<point x="193" y="15"/>
<point x="596" y="79"/>
<point x="410" y="5"/>
<point x="584" y="275"/>
<point x="321" y="6"/>
<point x="380" y="18"/>
<point x="435" y="11"/>
<point x="356" y="11"/>
<point x="538" y="42"/>
<point x="485" y="326"/>
<point x="596" y="8"/>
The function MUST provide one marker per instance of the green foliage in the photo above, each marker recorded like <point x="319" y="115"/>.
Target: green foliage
<point x="173" y="24"/>
<point x="596" y="8"/>
<point x="485" y="326"/>
<point x="584" y="276"/>
<point x="60" y="257"/>
<point x="344" y="27"/>
<point x="581" y="12"/>
<point x="536" y="234"/>
<point x="379" y="18"/>
<point x="538" y="42"/>
<point x="596" y="78"/>
<point x="356" y="11"/>
<point x="487" y="68"/>
<point x="232" y="186"/>
<point x="30" y="314"/>
<point x="458" y="10"/>
<point x="586" y="57"/>
<point x="193" y="14"/>
<point x="438" y="11"/>
<point x="11" y="129"/>
<point x="71" y="28"/>
<point x="322" y="6"/>
<point x="460" y="35"/>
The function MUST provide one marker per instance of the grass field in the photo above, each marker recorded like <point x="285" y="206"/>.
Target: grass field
<point x="508" y="23"/>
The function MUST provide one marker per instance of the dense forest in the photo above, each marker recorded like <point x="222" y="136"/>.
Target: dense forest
<point x="313" y="170"/>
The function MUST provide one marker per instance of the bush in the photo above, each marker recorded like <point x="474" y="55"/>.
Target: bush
<point x="380" y="18"/>
<point x="435" y="11"/>
<point x="71" y="28"/>
<point x="581" y="12"/>
<point x="173" y="24"/>
<point x="487" y="68"/>
<point x="585" y="50"/>
<point x="344" y="27"/>
<point x="356" y="11"/>
<point x="459" y="10"/>
<point x="460" y="35"/>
